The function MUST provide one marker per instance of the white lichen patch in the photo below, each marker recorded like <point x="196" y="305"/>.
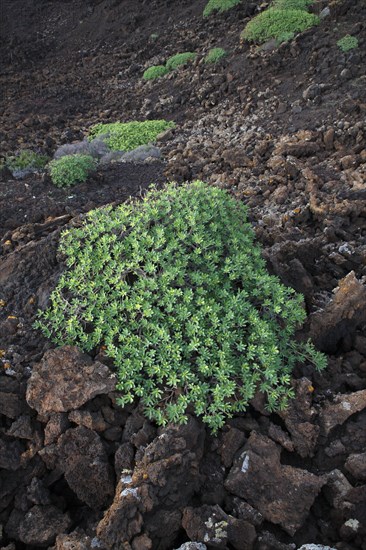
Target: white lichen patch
<point x="353" y="524"/>
<point x="245" y="465"/>
<point x="346" y="405"/>
<point x="132" y="491"/>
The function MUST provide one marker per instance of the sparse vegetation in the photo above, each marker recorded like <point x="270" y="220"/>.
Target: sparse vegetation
<point x="215" y="55"/>
<point x="219" y="6"/>
<point x="25" y="159"/>
<point x="126" y="136"/>
<point x="273" y="23"/>
<point x="175" y="289"/>
<point x="179" y="59"/>
<point x="156" y="71"/>
<point x="71" y="169"/>
<point x="347" y="43"/>
<point x="292" y="4"/>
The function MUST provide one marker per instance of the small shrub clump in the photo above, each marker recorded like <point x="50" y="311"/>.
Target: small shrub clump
<point x="347" y="43"/>
<point x="219" y="6"/>
<point x="25" y="159"/>
<point x="179" y="59"/>
<point x="71" y="169"/>
<point x="273" y="23"/>
<point x="215" y="55"/>
<point x="126" y="136"/>
<point x="175" y="289"/>
<point x="156" y="71"/>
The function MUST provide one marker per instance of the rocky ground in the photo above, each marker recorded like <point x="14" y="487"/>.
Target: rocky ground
<point x="283" y="128"/>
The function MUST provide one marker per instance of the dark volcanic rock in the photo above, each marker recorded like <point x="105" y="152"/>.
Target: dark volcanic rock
<point x="84" y="462"/>
<point x="282" y="494"/>
<point x="343" y="406"/>
<point x="39" y="526"/>
<point x="65" y="379"/>
<point x="163" y="481"/>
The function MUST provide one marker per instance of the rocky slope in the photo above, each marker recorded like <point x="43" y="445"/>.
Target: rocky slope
<point x="283" y="128"/>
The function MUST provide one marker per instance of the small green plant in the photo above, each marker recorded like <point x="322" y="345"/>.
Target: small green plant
<point x="156" y="71"/>
<point x="179" y="59"/>
<point x="175" y="289"/>
<point x="273" y="23"/>
<point x="347" y="43"/>
<point x="71" y="169"/>
<point x="25" y="159"/>
<point x="215" y="55"/>
<point x="219" y="5"/>
<point x="126" y="136"/>
<point x="292" y="4"/>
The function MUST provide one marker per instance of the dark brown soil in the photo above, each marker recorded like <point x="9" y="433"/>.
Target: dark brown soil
<point x="283" y="128"/>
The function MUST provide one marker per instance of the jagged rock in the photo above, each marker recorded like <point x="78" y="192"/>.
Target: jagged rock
<point x="245" y="511"/>
<point x="282" y="494"/>
<point x="336" y="413"/>
<point x="142" y="542"/>
<point x="21" y="428"/>
<point x="341" y="316"/>
<point x="11" y="404"/>
<point x="210" y="524"/>
<point x="356" y="465"/>
<point x="232" y="440"/>
<point x="298" y="418"/>
<point x="280" y="436"/>
<point x="315" y="547"/>
<point x="336" y="488"/>
<point x="92" y="420"/>
<point x="77" y="540"/>
<point x="65" y="379"/>
<point x="82" y="458"/>
<point x="57" y="425"/>
<point x="164" y="479"/>
<point x="39" y="526"/>
<point x="267" y="541"/>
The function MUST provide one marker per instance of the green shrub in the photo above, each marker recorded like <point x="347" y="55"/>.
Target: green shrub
<point x="219" y="5"/>
<point x="285" y="37"/>
<point x="215" y="55"/>
<point x="292" y="4"/>
<point x="347" y="43"/>
<point x="273" y="23"/>
<point x="179" y="59"/>
<point x="71" y="169"/>
<point x="156" y="71"/>
<point x="25" y="159"/>
<point x="177" y="292"/>
<point x="126" y="136"/>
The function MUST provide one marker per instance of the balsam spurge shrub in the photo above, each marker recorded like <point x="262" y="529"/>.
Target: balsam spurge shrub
<point x="219" y="6"/>
<point x="175" y="289"/>
<point x="215" y="55"/>
<point x="274" y="23"/>
<point x="126" y="136"/>
<point x="179" y="59"/>
<point x="71" y="169"/>
<point x="156" y="71"/>
<point x="25" y="159"/>
<point x="347" y="43"/>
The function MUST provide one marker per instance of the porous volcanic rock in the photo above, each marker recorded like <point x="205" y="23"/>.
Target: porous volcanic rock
<point x="343" y="406"/>
<point x="65" y="379"/>
<point x="281" y="493"/>
<point x="163" y="481"/>
<point x="39" y="526"/>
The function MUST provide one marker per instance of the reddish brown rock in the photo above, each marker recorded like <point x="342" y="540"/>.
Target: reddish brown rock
<point x="65" y="379"/>
<point x="343" y="406"/>
<point x="232" y="440"/>
<point x="356" y="465"/>
<point x="282" y="494"/>
<point x="84" y="462"/>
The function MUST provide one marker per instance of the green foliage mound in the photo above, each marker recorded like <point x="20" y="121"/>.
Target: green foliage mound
<point x="176" y="290"/>
<point x="274" y="23"/>
<point x="347" y="43"/>
<point x="215" y="55"/>
<point x="292" y="4"/>
<point x="219" y="5"/>
<point x="25" y="159"/>
<point x="179" y="59"/>
<point x="71" y="169"/>
<point x="156" y="71"/>
<point x="126" y="136"/>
